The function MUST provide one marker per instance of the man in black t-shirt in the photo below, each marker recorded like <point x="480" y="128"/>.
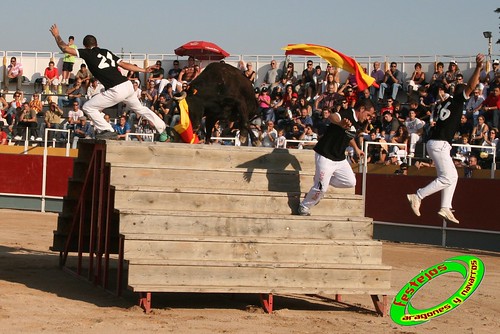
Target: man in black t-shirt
<point x="438" y="147"/>
<point x="103" y="64"/>
<point x="332" y="167"/>
<point x="174" y="72"/>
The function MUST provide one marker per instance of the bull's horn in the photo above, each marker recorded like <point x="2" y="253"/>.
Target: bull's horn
<point x="180" y="96"/>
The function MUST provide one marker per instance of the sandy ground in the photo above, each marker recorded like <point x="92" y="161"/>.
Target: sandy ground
<point x="36" y="296"/>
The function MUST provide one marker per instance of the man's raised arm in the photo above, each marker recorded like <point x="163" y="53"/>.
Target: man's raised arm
<point x="60" y="43"/>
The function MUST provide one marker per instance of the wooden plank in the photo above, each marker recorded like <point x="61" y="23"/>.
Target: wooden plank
<point x="234" y="179"/>
<point x="209" y="156"/>
<point x="275" y="203"/>
<point x="259" y="289"/>
<point x="257" y="250"/>
<point x="298" y="240"/>
<point x="271" y="265"/>
<point x="333" y="278"/>
<point x="235" y="224"/>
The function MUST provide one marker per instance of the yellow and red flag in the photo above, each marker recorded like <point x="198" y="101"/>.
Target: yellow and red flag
<point x="335" y="59"/>
<point x="184" y="127"/>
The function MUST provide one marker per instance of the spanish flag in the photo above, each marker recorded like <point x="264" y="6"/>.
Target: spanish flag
<point x="184" y="128"/>
<point x="336" y="59"/>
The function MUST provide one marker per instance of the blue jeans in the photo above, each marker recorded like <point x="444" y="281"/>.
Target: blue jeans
<point x="384" y="86"/>
<point x="496" y="116"/>
<point x="268" y="114"/>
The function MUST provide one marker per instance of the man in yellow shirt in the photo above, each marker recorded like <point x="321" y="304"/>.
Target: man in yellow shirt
<point x="68" y="62"/>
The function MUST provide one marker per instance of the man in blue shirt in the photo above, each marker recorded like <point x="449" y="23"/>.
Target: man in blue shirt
<point x="122" y="128"/>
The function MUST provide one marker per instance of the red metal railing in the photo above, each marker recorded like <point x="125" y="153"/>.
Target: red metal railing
<point x="91" y="223"/>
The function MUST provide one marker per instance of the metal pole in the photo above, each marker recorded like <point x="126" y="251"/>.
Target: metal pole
<point x="26" y="141"/>
<point x="443" y="235"/>
<point x="365" y="169"/>
<point x="494" y="162"/>
<point x="489" y="48"/>
<point x="68" y="144"/>
<point x="44" y="173"/>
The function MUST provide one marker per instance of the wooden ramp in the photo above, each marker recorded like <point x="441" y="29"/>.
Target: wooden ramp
<point x="221" y="219"/>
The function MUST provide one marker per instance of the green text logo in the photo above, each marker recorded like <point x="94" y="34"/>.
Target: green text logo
<point x="470" y="267"/>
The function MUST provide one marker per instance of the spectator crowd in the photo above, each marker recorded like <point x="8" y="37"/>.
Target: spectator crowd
<point x="293" y="108"/>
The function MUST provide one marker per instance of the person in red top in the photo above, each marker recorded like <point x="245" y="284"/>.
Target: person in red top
<point x="388" y="107"/>
<point x="491" y="107"/>
<point x="3" y="135"/>
<point x="264" y="102"/>
<point x="50" y="77"/>
<point x="287" y="97"/>
<point x="349" y="95"/>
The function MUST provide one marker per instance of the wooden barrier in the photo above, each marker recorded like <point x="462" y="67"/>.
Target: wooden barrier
<point x="211" y="219"/>
<point x="205" y="219"/>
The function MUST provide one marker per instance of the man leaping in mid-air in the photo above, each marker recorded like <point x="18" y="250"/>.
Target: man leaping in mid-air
<point x="449" y="113"/>
<point x="103" y="64"/>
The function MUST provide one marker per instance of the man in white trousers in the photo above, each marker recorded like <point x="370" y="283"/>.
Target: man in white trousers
<point x="438" y="147"/>
<point x="103" y="64"/>
<point x="332" y="167"/>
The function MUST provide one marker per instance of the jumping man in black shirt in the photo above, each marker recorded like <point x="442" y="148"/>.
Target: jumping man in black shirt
<point x="332" y="167"/>
<point x="449" y="113"/>
<point x="103" y="64"/>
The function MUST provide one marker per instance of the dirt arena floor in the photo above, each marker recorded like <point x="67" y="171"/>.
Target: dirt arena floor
<point x="36" y="296"/>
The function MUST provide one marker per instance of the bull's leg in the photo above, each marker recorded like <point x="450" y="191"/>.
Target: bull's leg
<point x="244" y="125"/>
<point x="209" y="125"/>
<point x="196" y="111"/>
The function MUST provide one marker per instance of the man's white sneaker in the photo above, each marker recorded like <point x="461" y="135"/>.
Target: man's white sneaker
<point x="414" y="203"/>
<point x="39" y="139"/>
<point x="32" y="138"/>
<point x="304" y="211"/>
<point x="447" y="215"/>
<point x="18" y="138"/>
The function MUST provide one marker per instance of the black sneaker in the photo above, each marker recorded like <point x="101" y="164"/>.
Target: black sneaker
<point x="107" y="135"/>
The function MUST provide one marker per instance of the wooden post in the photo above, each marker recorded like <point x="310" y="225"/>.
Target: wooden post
<point x="5" y="76"/>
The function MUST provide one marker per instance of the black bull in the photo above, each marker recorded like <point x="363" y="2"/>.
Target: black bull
<point x="222" y="92"/>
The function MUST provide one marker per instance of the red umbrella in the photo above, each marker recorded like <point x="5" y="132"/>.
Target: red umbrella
<point x="201" y="50"/>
